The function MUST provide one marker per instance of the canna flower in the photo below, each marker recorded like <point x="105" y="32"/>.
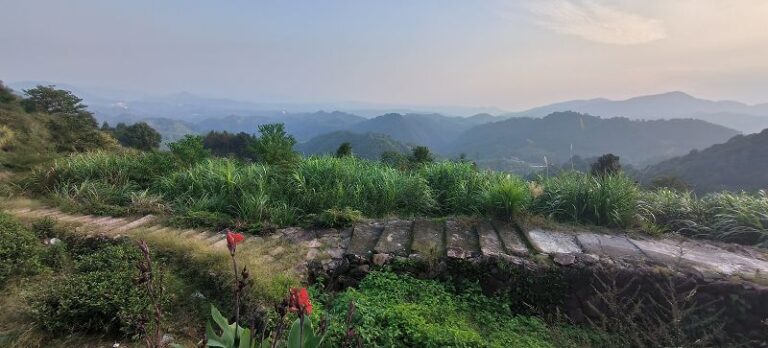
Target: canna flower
<point x="298" y="301"/>
<point x="232" y="240"/>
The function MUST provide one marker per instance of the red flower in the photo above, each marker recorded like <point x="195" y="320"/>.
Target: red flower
<point x="298" y="301"/>
<point x="233" y="239"/>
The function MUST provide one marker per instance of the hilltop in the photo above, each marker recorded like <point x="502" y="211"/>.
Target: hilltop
<point x="741" y="163"/>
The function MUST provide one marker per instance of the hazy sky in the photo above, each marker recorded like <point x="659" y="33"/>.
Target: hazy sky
<point x="510" y="54"/>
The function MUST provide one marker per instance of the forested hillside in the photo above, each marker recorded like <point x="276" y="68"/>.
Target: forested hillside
<point x="46" y="123"/>
<point x="562" y="134"/>
<point x="368" y="145"/>
<point x="739" y="164"/>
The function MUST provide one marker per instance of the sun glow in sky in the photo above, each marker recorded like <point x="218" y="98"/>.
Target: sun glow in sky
<point x="508" y="54"/>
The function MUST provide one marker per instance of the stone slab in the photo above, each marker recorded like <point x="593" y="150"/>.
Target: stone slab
<point x="550" y="242"/>
<point x="461" y="240"/>
<point x="608" y="245"/>
<point x="511" y="240"/>
<point x="133" y="224"/>
<point x="364" y="238"/>
<point x="703" y="257"/>
<point x="428" y="238"/>
<point x="490" y="244"/>
<point x="395" y="239"/>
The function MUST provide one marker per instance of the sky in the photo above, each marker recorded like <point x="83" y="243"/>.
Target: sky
<point x="485" y="53"/>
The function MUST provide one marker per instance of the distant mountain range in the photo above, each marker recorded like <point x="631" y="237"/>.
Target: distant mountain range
<point x="563" y="134"/>
<point x="740" y="116"/>
<point x="739" y="164"/>
<point x="503" y="141"/>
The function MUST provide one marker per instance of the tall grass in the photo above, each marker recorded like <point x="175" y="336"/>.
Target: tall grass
<point x="457" y="187"/>
<point x="123" y="168"/>
<point x="604" y="201"/>
<point x="220" y="185"/>
<point x="727" y="216"/>
<point x="322" y="183"/>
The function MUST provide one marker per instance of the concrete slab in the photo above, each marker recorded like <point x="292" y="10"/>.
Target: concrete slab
<point x="395" y="239"/>
<point x="550" y="242"/>
<point x="608" y="245"/>
<point x="490" y="244"/>
<point x="364" y="238"/>
<point x="461" y="240"/>
<point x="428" y="238"/>
<point x="511" y="239"/>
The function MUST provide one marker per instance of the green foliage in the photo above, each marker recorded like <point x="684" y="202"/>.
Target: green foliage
<point x="344" y="150"/>
<point x="604" y="201"/>
<point x="335" y="217"/>
<point x="457" y="187"/>
<point x="507" y="197"/>
<point x="303" y="335"/>
<point x="99" y="296"/>
<point x="231" y="336"/>
<point x="421" y="155"/>
<point x="321" y="183"/>
<point x="607" y="164"/>
<point x="50" y="100"/>
<point x="400" y="311"/>
<point x="220" y="185"/>
<point x="20" y="250"/>
<point x="368" y="146"/>
<point x="190" y="150"/>
<point x="274" y="146"/>
<point x="731" y="217"/>
<point x="139" y="136"/>
<point x="225" y="144"/>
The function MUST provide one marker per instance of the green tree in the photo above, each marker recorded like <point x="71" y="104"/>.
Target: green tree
<point x="138" y="136"/>
<point x="49" y="99"/>
<point x="6" y="95"/>
<point x="274" y="146"/>
<point x="607" y="164"/>
<point x="189" y="150"/>
<point x="344" y="150"/>
<point x="421" y="154"/>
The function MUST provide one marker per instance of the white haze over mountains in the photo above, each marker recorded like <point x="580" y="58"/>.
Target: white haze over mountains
<point x="117" y="105"/>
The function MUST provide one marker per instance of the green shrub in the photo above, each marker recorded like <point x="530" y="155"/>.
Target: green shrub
<point x="190" y="150"/>
<point x="401" y="311"/>
<point x="338" y="217"/>
<point x="99" y="296"/>
<point x="611" y="200"/>
<point x="20" y="249"/>
<point x="44" y="228"/>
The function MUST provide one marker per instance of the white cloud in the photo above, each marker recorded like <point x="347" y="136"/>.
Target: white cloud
<point x="593" y="21"/>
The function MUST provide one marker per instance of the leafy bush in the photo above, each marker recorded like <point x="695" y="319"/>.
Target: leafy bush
<point x="99" y="296"/>
<point x="401" y="311"/>
<point x="190" y="150"/>
<point x="20" y="250"/>
<point x="611" y="200"/>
